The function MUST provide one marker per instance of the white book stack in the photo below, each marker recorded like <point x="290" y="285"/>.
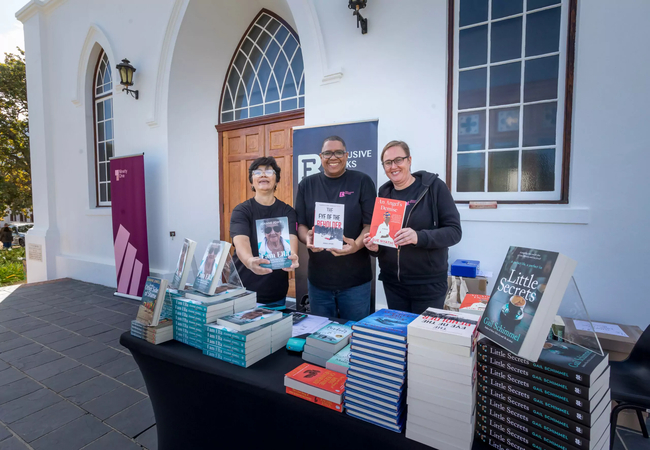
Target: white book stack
<point x="441" y="379"/>
<point x="325" y="343"/>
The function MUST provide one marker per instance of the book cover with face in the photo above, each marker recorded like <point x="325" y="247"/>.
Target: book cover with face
<point x="387" y="219"/>
<point x="208" y="266"/>
<point x="273" y="242"/>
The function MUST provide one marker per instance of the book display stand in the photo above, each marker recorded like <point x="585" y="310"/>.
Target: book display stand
<point x="573" y="307"/>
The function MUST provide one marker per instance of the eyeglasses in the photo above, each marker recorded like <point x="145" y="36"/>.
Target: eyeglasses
<point x="398" y="161"/>
<point x="276" y="228"/>
<point x="267" y="172"/>
<point x="338" y="153"/>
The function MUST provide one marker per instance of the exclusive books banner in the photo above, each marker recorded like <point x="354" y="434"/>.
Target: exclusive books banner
<point x="273" y="242"/>
<point x="387" y="219"/>
<point x="328" y="225"/>
<point x="525" y="299"/>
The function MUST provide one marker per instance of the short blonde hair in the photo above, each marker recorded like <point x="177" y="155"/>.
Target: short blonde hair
<point x="401" y="144"/>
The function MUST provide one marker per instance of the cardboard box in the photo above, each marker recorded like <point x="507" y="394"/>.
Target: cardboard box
<point x="476" y="285"/>
<point x="618" y="347"/>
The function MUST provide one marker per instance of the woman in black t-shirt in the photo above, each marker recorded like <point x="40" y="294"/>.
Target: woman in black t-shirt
<point x="271" y="285"/>
<point x="415" y="274"/>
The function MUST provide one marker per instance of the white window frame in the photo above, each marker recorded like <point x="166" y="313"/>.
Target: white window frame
<point x="550" y="196"/>
<point x="101" y="98"/>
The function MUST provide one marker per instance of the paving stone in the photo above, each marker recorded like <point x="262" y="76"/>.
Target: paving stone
<point x="18" y="389"/>
<point x="20" y="352"/>
<point x="39" y="307"/>
<point x="77" y="326"/>
<point x="84" y="350"/>
<point x="37" y="359"/>
<point x="93" y="331"/>
<point x="112" y="441"/>
<point x="3" y="366"/>
<point x="109" y="336"/>
<point x="8" y="335"/>
<point x="97" y="359"/>
<point x="91" y="389"/>
<point x="134" y="419"/>
<point x="149" y="439"/>
<point x="53" y="337"/>
<point x="44" y="314"/>
<point x="52" y="368"/>
<point x="133" y="378"/>
<point x="89" y="311"/>
<point x="72" y="318"/>
<point x="118" y="366"/>
<point x="73" y="435"/>
<point x="70" y="378"/>
<point x="10" y="315"/>
<point x="71" y="342"/>
<point x="144" y="390"/>
<point x="113" y="318"/>
<point x="9" y="376"/>
<point x="40" y="331"/>
<point x="27" y="404"/>
<point x="109" y="404"/>
<point x="57" y="315"/>
<point x="46" y="420"/>
<point x="4" y="432"/>
<point x="13" y="443"/>
<point x="14" y="343"/>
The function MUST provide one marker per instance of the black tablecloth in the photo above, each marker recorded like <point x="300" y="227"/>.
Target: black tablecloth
<point x="204" y="403"/>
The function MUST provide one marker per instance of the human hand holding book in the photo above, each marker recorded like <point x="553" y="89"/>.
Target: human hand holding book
<point x="349" y="246"/>
<point x="310" y="242"/>
<point x="406" y="236"/>
<point x="367" y="241"/>
<point x="254" y="265"/>
<point x="294" y="263"/>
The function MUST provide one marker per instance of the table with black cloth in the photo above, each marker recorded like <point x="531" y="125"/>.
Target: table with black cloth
<point x="203" y="403"/>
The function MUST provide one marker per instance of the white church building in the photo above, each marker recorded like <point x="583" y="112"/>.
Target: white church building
<point x="539" y="105"/>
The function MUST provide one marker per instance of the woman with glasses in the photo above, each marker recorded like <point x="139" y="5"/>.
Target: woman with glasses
<point x="271" y="285"/>
<point x="415" y="273"/>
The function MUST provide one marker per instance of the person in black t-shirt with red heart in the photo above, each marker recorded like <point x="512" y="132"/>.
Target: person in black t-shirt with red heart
<point x="415" y="273"/>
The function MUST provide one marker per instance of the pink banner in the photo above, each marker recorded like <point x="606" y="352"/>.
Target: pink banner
<point x="129" y="224"/>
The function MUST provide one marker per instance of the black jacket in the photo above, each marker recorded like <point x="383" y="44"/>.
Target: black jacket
<point x="6" y="235"/>
<point x="437" y="222"/>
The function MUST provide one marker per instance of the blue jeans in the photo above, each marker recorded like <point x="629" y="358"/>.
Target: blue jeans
<point x="351" y="303"/>
<point x="279" y="304"/>
<point x="6" y="244"/>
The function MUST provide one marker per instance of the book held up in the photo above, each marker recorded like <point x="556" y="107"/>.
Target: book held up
<point x="328" y="225"/>
<point x="387" y="219"/>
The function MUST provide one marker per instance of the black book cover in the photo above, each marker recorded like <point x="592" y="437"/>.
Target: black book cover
<point x="533" y="386"/>
<point x="494" y="387"/>
<point x="534" y="375"/>
<point x="491" y="406"/>
<point x="490" y="441"/>
<point x="530" y="438"/>
<point x="559" y="359"/>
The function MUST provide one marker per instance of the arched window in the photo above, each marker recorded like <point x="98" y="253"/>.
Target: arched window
<point x="267" y="72"/>
<point x="104" y="135"/>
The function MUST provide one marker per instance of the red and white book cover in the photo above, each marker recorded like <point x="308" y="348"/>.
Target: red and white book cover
<point x="387" y="219"/>
<point x="320" y="378"/>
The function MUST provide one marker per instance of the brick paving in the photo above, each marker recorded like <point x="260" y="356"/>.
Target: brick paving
<point x="65" y="381"/>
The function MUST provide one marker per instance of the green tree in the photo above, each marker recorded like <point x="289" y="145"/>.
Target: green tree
<point x="15" y="174"/>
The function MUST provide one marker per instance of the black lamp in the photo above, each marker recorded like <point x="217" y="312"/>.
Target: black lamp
<point x="126" y="76"/>
<point x="357" y="6"/>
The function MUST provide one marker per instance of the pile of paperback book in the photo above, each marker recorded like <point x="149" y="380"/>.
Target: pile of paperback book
<point x="325" y="343"/>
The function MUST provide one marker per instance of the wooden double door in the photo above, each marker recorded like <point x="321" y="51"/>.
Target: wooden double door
<point x="240" y="147"/>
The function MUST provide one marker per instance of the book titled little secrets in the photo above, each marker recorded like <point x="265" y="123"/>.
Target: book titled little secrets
<point x="387" y="218"/>
<point x="386" y="322"/>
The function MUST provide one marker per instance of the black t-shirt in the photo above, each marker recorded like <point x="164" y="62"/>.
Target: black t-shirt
<point x="357" y="192"/>
<point x="274" y="286"/>
<point x="410" y="195"/>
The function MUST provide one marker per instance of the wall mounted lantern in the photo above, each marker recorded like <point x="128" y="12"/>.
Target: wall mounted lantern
<point x="357" y="6"/>
<point x="126" y="76"/>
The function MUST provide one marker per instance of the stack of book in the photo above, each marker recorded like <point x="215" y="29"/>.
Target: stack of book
<point x="244" y="338"/>
<point x="562" y="401"/>
<point x="317" y="385"/>
<point x="281" y="332"/>
<point x="341" y="361"/>
<point x="240" y="297"/>
<point x="162" y="332"/>
<point x="191" y="316"/>
<point x="441" y="378"/>
<point x="375" y="389"/>
<point x="325" y="343"/>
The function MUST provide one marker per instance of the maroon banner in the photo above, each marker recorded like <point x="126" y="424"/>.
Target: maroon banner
<point x="129" y="224"/>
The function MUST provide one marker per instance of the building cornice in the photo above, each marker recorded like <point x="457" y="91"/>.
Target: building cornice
<point x="35" y="6"/>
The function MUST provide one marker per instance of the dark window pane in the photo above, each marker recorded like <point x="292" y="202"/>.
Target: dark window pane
<point x="503" y="171"/>
<point x="100" y="111"/>
<point x="471" y="172"/>
<point x="263" y="20"/>
<point x="301" y="102"/>
<point x="540" y="79"/>
<point x="108" y="108"/>
<point x="226" y="117"/>
<point x="290" y="47"/>
<point x="102" y="171"/>
<point x="302" y="85"/>
<point x="543" y="32"/>
<point x="505" y="84"/>
<point x="538" y="170"/>
<point x="471" y="131"/>
<point x="472" y="88"/>
<point x="240" y="62"/>
<point x="109" y="129"/>
<point x="256" y="111"/>
<point x="505" y="8"/>
<point x="272" y="92"/>
<point x="233" y="81"/>
<point x="99" y="82"/>
<point x="281" y="35"/>
<point x="473" y="47"/>
<point x="288" y="105"/>
<point x="248" y="77"/>
<point x="102" y="152"/>
<point x="241" y="114"/>
<point x="263" y="73"/>
<point x="297" y="65"/>
<point x="103" y="196"/>
<point x="254" y="33"/>
<point x="256" y="57"/>
<point x="240" y="99"/>
<point x="473" y="11"/>
<point x="109" y="149"/>
<point x="263" y="40"/>
<point x="227" y="100"/>
<point x="273" y="26"/>
<point x="289" y="89"/>
<point x="280" y="69"/>
<point x="256" y="95"/>
<point x="504" y="128"/>
<point x="272" y="52"/>
<point x="506" y="40"/>
<point x="108" y="187"/>
<point x="539" y="124"/>
<point x="271" y="108"/>
<point x="246" y="46"/>
<point x="107" y="78"/>
<point x="534" y="4"/>
<point x="100" y="132"/>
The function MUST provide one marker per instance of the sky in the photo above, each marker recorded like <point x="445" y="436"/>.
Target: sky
<point x="11" y="30"/>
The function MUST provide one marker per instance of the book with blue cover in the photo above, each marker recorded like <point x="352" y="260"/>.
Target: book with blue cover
<point x="153" y="298"/>
<point x="273" y="242"/>
<point x="359" y="350"/>
<point x="332" y="337"/>
<point x="210" y="271"/>
<point x="392" y="349"/>
<point x="386" y="322"/>
<point x="248" y="319"/>
<point x="183" y="265"/>
<point x="341" y="361"/>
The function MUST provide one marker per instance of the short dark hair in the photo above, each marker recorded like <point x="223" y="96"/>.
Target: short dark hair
<point x="334" y="138"/>
<point x="264" y="161"/>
